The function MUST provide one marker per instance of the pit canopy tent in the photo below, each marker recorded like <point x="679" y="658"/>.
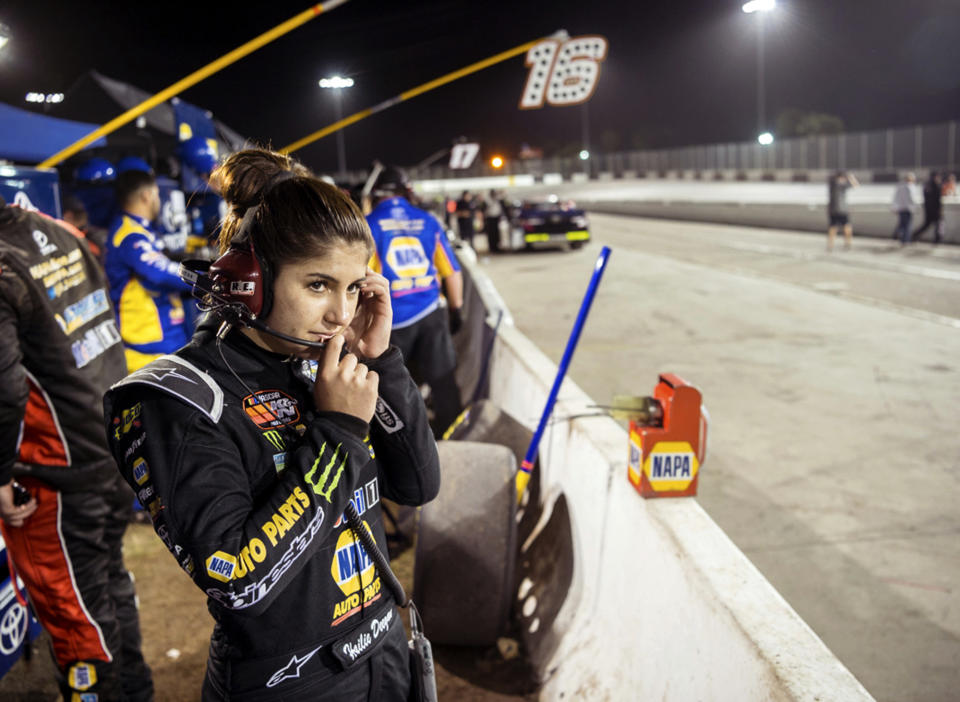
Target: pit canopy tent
<point x="97" y="99"/>
<point x="28" y="138"/>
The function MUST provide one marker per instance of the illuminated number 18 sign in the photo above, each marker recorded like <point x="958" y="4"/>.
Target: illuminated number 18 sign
<point x="563" y="72"/>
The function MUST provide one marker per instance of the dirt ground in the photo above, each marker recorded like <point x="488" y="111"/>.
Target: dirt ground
<point x="176" y="631"/>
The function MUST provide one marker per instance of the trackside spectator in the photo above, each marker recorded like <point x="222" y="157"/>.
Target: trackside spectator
<point x="903" y="203"/>
<point x="466" y="214"/>
<point x="932" y="208"/>
<point x="837" y="210"/>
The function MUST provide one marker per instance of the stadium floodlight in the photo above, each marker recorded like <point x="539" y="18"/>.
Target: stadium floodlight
<point x="759" y="6"/>
<point x="44" y="97"/>
<point x="337" y="84"/>
<point x="4" y="35"/>
<point x="496" y="162"/>
<point x="584" y="155"/>
<point x="765" y="139"/>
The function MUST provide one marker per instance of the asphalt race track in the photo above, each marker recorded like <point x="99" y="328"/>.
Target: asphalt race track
<point x="832" y="382"/>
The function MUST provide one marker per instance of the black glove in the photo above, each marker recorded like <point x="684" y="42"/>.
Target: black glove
<point x="456" y="319"/>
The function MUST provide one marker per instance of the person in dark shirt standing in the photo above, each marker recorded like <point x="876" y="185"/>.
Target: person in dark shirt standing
<point x="932" y="208"/>
<point x="466" y="211"/>
<point x="492" y="214"/>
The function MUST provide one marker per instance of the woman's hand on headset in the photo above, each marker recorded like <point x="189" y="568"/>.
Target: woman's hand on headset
<point x="344" y="384"/>
<point x="369" y="333"/>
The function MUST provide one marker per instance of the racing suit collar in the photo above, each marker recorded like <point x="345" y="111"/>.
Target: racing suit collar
<point x="239" y="342"/>
<point x="143" y="222"/>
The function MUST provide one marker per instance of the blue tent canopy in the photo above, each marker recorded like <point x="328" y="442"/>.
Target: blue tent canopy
<point x="26" y="137"/>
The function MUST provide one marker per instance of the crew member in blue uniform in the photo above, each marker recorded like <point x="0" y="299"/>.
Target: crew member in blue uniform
<point x="144" y="285"/>
<point x="414" y="255"/>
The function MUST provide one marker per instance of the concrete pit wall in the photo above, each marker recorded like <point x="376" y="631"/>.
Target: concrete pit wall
<point x="663" y="606"/>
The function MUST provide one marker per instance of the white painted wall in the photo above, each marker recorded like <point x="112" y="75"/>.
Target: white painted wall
<point x="663" y="605"/>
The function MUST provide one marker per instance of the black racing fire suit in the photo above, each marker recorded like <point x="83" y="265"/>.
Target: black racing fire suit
<point x="59" y="351"/>
<point x="247" y="482"/>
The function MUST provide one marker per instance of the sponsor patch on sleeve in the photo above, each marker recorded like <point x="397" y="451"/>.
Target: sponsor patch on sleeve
<point x="81" y="676"/>
<point x="220" y="566"/>
<point x="386" y="417"/>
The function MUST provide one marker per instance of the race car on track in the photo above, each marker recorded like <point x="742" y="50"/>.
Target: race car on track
<point x="548" y="222"/>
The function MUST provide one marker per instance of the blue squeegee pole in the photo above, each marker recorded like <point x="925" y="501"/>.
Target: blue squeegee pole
<point x="523" y="475"/>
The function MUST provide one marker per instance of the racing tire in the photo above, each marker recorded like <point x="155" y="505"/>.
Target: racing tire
<point x="466" y="546"/>
<point x="574" y="245"/>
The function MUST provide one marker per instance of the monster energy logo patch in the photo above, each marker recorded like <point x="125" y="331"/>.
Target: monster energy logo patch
<point x="275" y="439"/>
<point x="321" y="486"/>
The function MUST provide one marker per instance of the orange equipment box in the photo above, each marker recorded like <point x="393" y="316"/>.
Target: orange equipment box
<point x="668" y="444"/>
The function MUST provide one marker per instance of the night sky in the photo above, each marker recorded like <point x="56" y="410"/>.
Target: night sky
<point x="677" y="72"/>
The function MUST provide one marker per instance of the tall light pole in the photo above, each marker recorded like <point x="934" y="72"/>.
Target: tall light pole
<point x="760" y="8"/>
<point x="337" y="84"/>
<point x="585" y="138"/>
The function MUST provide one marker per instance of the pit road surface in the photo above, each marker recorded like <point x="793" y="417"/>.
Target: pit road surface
<point x="832" y="382"/>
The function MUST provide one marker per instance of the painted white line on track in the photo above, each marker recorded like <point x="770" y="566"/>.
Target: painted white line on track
<point x="851" y="296"/>
<point x="911" y="269"/>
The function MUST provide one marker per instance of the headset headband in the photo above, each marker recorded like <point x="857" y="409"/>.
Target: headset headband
<point x="246" y="224"/>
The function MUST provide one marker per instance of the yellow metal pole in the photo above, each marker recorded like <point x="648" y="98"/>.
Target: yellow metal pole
<point x="413" y="92"/>
<point x="193" y="79"/>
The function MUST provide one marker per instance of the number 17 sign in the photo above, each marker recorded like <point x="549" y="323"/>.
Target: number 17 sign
<point x="563" y="72"/>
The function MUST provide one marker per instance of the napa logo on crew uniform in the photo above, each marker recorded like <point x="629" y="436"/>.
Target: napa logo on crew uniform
<point x="220" y="566"/>
<point x="82" y="676"/>
<point x="406" y="257"/>
<point x="141" y="471"/>
<point x="671" y="466"/>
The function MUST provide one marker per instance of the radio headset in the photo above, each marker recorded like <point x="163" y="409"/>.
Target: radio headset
<point x="238" y="286"/>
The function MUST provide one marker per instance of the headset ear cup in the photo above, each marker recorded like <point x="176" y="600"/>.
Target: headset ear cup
<point x="238" y="277"/>
<point x="243" y="275"/>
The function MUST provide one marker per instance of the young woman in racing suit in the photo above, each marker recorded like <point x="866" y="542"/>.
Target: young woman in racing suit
<point x="246" y="463"/>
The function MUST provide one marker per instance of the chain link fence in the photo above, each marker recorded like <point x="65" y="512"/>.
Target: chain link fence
<point x="882" y="152"/>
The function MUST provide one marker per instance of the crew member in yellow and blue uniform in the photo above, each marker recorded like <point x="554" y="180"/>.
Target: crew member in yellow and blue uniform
<point x="413" y="253"/>
<point x="144" y="285"/>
